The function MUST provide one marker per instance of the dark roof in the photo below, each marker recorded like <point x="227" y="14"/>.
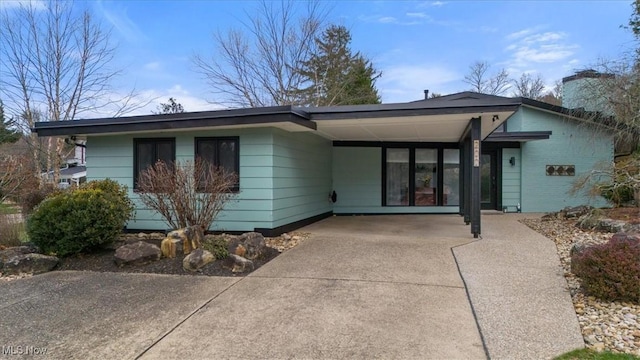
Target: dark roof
<point x="460" y="103"/>
<point x="176" y="121"/>
<point x="70" y="171"/>
<point x="587" y="74"/>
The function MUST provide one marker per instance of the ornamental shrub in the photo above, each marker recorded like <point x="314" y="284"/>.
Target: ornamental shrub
<point x="217" y="246"/>
<point x="80" y="220"/>
<point x="610" y="271"/>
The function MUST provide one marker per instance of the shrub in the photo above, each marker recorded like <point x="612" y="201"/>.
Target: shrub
<point x="217" y="246"/>
<point x="618" y="195"/>
<point x="80" y="220"/>
<point x="32" y="196"/>
<point x="11" y="232"/>
<point x="610" y="271"/>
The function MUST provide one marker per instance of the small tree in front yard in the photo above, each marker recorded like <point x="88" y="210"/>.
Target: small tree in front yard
<point x="187" y="193"/>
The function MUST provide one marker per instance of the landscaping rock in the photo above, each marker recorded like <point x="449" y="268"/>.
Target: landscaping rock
<point x="171" y="247"/>
<point x="138" y="253"/>
<point x="191" y="237"/>
<point x="633" y="238"/>
<point x="30" y="263"/>
<point x="237" y="264"/>
<point x="576" y="211"/>
<point x="18" y="250"/>
<point x="197" y="259"/>
<point x="248" y="245"/>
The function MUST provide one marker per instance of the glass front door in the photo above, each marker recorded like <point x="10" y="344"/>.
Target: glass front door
<point x="488" y="179"/>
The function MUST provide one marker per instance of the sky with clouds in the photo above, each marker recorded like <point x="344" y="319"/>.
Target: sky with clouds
<point x="416" y="44"/>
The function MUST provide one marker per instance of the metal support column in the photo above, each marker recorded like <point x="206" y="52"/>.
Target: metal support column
<point x="475" y="184"/>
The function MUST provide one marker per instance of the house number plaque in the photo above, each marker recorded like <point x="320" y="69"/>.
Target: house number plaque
<point x="476" y="153"/>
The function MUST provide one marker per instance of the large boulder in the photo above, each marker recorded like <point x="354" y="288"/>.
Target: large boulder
<point x="138" y="253"/>
<point x="30" y="263"/>
<point x="248" y="245"/>
<point x="632" y="238"/>
<point x="237" y="264"/>
<point x="191" y="237"/>
<point x="197" y="259"/>
<point x="18" y="250"/>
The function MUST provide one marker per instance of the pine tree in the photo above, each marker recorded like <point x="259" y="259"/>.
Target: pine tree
<point x="335" y="75"/>
<point x="7" y="134"/>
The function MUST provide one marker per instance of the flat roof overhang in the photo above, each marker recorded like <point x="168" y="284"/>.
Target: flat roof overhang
<point x="411" y="125"/>
<point x="284" y="117"/>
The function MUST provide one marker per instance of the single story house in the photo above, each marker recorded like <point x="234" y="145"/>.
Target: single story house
<point x="455" y="154"/>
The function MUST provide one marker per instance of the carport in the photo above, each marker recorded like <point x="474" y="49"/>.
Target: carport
<point x="463" y="122"/>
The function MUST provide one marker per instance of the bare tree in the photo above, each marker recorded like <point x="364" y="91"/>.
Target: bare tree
<point x="554" y="96"/>
<point x="188" y="193"/>
<point x="482" y="81"/>
<point x="54" y="60"/>
<point x="257" y="64"/>
<point x="529" y="86"/>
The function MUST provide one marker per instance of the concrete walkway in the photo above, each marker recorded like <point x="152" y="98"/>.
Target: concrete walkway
<point x="518" y="291"/>
<point x="360" y="287"/>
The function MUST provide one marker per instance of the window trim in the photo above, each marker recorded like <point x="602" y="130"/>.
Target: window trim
<point x="236" y="139"/>
<point x="412" y="146"/>
<point x="154" y="141"/>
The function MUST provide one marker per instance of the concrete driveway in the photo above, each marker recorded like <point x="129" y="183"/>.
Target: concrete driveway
<point x="360" y="287"/>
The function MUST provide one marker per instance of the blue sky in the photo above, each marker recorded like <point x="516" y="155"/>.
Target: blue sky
<point x="416" y="44"/>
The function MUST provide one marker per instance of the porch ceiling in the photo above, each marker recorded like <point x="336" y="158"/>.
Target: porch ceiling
<point x="420" y="128"/>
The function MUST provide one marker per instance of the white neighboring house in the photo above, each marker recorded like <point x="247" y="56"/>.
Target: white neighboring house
<point x="74" y="171"/>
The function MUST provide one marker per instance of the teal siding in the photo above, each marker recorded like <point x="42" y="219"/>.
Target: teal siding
<point x="511" y="178"/>
<point x="357" y="179"/>
<point x="112" y="157"/>
<point x="301" y="176"/>
<point x="570" y="144"/>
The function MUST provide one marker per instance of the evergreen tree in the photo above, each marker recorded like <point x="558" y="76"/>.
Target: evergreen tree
<point x="335" y="75"/>
<point x="8" y="134"/>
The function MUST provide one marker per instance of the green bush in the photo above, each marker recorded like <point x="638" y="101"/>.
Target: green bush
<point x="217" y="246"/>
<point x="610" y="271"/>
<point x="618" y="195"/>
<point x="80" y="220"/>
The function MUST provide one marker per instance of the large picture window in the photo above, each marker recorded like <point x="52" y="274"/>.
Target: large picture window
<point x="416" y="176"/>
<point x="221" y="152"/>
<point x="149" y="151"/>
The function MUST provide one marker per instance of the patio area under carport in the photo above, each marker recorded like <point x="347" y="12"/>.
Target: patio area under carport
<point x="465" y="122"/>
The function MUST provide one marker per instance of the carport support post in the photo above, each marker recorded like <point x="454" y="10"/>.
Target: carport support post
<point x="475" y="152"/>
<point x="465" y="178"/>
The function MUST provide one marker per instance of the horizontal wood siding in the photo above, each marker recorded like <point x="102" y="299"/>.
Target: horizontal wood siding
<point x="112" y="157"/>
<point x="301" y="176"/>
<point x="570" y="144"/>
<point x="511" y="178"/>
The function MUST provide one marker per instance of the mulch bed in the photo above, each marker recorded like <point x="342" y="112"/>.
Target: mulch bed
<point x="103" y="262"/>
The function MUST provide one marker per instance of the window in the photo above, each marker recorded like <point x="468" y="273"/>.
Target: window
<point x="397" y="177"/>
<point x="149" y="151"/>
<point x="451" y="177"/>
<point x="415" y="176"/>
<point x="221" y="152"/>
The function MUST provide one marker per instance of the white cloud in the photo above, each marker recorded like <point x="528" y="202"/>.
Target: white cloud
<point x="417" y="15"/>
<point x="153" y="66"/>
<point x="119" y="19"/>
<point x="530" y="47"/>
<point x="387" y="19"/>
<point x="146" y="102"/>
<point x="406" y="82"/>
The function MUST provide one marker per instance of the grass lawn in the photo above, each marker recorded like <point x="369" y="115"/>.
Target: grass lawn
<point x="8" y="209"/>
<point x="593" y="355"/>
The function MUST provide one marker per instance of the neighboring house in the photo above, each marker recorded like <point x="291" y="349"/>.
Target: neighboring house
<point x="74" y="171"/>
<point x="453" y="154"/>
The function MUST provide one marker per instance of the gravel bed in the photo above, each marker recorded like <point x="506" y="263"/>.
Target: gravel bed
<point x="613" y="326"/>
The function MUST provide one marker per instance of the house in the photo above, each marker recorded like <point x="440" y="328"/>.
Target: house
<point x="454" y="154"/>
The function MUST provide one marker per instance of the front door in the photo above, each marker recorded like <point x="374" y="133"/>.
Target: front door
<point x="489" y="180"/>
